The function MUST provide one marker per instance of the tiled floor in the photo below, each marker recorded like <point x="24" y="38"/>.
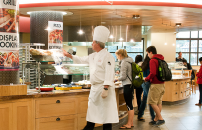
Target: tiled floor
<point x="184" y="116"/>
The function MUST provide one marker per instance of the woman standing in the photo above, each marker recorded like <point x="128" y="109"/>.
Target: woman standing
<point x="139" y="90"/>
<point x="125" y="77"/>
<point x="199" y="81"/>
<point x="145" y="86"/>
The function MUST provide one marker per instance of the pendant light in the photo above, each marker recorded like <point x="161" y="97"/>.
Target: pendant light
<point x="120" y="39"/>
<point x="111" y="35"/>
<point x="80" y="32"/>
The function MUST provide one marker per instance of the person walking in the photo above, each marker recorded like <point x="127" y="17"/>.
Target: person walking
<point x="157" y="88"/>
<point x="199" y="82"/>
<point x="126" y="78"/>
<point x="139" y="90"/>
<point x="145" y="86"/>
<point x="102" y="105"/>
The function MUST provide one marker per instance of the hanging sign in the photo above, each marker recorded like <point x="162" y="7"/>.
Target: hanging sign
<point x="55" y="35"/>
<point x="9" y="37"/>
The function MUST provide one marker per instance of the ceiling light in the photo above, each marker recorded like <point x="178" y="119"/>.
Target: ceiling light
<point x="165" y="43"/>
<point x="173" y="44"/>
<point x="121" y="39"/>
<point x="136" y="16"/>
<point x="103" y="22"/>
<point x="48" y="29"/>
<point x="111" y="36"/>
<point x="80" y="32"/>
<point x="178" y="24"/>
<point x="131" y="40"/>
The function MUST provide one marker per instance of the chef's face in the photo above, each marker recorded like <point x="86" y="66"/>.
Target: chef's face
<point x="95" y="46"/>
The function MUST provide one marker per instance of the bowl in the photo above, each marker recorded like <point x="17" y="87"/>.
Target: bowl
<point x="63" y="88"/>
<point x="76" y="87"/>
<point x="45" y="89"/>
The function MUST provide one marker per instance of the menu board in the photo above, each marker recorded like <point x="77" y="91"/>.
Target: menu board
<point x="55" y="35"/>
<point x="9" y="37"/>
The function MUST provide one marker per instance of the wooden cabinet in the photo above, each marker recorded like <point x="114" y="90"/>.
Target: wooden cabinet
<point x="176" y="90"/>
<point x="17" y="115"/>
<point x="6" y="116"/>
<point x="58" y="113"/>
<point x="23" y="115"/>
<point x="57" y="106"/>
<point x="57" y="123"/>
<point x="82" y="110"/>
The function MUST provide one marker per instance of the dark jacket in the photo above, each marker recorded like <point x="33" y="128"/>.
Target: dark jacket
<point x="190" y="68"/>
<point x="153" y="64"/>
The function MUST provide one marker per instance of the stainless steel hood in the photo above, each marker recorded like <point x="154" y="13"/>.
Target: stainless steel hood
<point x="126" y="32"/>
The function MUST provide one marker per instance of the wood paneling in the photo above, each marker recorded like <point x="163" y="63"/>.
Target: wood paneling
<point x="23" y="115"/>
<point x="6" y="116"/>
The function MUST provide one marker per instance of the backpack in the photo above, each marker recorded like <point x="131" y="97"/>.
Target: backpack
<point x="137" y="75"/>
<point x="164" y="73"/>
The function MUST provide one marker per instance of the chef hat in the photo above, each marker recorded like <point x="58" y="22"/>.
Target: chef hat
<point x="101" y="34"/>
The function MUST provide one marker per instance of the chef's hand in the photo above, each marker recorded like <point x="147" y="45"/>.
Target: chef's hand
<point x="66" y="54"/>
<point x="105" y="92"/>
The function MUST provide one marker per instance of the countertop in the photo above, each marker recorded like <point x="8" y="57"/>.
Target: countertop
<point x="49" y="94"/>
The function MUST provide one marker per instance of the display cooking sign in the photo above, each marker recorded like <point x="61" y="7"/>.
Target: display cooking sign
<point x="9" y="38"/>
<point x="55" y="35"/>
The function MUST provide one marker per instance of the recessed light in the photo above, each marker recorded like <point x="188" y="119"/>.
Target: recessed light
<point x="121" y="39"/>
<point x="111" y="36"/>
<point x="136" y="16"/>
<point x="178" y="24"/>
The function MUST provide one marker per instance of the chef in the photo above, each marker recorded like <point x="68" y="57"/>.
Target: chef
<point x="102" y="106"/>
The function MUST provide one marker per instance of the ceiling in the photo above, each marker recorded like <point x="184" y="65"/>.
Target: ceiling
<point x="162" y="19"/>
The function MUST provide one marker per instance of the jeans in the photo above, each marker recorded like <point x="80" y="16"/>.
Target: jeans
<point x="200" y="93"/>
<point x="145" y="87"/>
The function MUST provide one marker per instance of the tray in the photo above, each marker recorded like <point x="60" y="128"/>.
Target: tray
<point x="42" y="58"/>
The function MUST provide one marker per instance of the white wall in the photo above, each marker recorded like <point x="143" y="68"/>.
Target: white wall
<point x="80" y="50"/>
<point x="168" y="51"/>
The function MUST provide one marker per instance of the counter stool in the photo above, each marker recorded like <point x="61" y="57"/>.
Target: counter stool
<point x="193" y="86"/>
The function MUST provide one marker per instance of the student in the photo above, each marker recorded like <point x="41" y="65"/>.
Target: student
<point x="157" y="88"/>
<point x="139" y="90"/>
<point x="199" y="81"/>
<point x="145" y="86"/>
<point x="189" y="68"/>
<point x="126" y="77"/>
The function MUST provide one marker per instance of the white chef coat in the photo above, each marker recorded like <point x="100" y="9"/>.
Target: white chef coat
<point x="101" y="65"/>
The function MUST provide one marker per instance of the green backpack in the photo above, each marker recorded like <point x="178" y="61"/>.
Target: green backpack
<point x="137" y="75"/>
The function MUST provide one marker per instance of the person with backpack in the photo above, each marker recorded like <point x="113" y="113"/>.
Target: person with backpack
<point x="199" y="82"/>
<point x="145" y="86"/>
<point x="157" y="88"/>
<point x="126" y="77"/>
<point x="139" y="90"/>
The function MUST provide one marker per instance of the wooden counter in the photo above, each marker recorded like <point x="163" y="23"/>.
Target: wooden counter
<point x="48" y="110"/>
<point x="177" y="89"/>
